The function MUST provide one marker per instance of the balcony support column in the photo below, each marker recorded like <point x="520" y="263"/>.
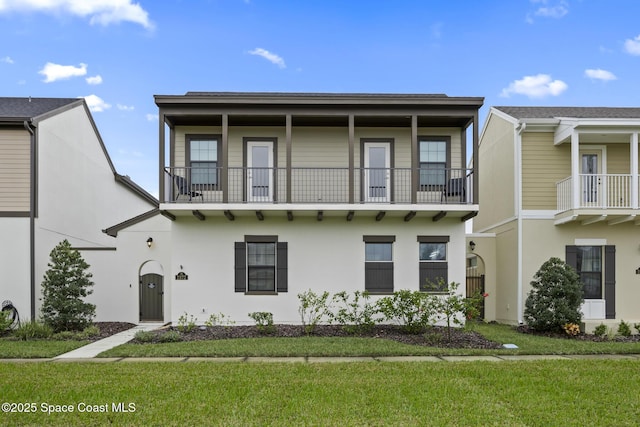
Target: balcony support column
<point x="351" y="142"/>
<point x="476" y="159"/>
<point x="575" y="170"/>
<point x="634" y="170"/>
<point x="288" y="132"/>
<point x="161" y="156"/>
<point x="225" y="159"/>
<point x="415" y="161"/>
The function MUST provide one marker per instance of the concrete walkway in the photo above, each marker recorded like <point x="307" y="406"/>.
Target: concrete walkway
<point x="95" y="348"/>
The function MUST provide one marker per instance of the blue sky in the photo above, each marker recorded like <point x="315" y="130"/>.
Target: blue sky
<point x="119" y="53"/>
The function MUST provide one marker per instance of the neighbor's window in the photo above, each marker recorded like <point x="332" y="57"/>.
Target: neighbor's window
<point x="589" y="267"/>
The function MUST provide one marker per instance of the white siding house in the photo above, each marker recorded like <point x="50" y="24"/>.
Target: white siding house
<point x="57" y="182"/>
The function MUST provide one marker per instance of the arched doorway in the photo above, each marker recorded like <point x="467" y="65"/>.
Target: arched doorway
<point x="475" y="278"/>
<point x="151" y="282"/>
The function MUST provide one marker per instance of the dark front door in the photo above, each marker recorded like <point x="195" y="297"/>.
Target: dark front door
<point x="151" y="292"/>
<point x="475" y="285"/>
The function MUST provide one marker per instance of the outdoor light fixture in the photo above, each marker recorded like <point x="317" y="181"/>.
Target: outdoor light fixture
<point x="472" y="245"/>
<point x="149" y="241"/>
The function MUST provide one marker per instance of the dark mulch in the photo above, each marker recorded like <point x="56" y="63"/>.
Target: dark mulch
<point x="434" y="337"/>
<point x="110" y="328"/>
<point x="524" y="329"/>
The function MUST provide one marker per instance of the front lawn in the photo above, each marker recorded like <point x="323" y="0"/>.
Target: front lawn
<point x="12" y="349"/>
<point x="603" y="393"/>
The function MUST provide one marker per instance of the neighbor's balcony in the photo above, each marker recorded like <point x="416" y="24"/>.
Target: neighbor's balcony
<point x="318" y="185"/>
<point x="597" y="191"/>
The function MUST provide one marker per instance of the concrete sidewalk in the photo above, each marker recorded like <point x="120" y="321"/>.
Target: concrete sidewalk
<point x="95" y="348"/>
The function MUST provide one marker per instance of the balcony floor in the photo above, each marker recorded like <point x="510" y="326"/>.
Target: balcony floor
<point x="591" y="216"/>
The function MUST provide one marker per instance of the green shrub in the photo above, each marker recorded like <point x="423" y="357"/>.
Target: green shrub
<point x="66" y="284"/>
<point x="636" y="326"/>
<point x="313" y="308"/>
<point x="357" y="315"/>
<point x="33" y="330"/>
<point x="412" y="310"/>
<point x="219" y="319"/>
<point x="144" y="336"/>
<point x="264" y="321"/>
<point x="624" y="329"/>
<point x="451" y="307"/>
<point x="555" y="298"/>
<point x="5" y="321"/>
<point x="186" y="324"/>
<point x="600" y="330"/>
<point x="170" y="336"/>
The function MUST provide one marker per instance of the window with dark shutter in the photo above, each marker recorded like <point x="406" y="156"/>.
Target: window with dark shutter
<point x="261" y="265"/>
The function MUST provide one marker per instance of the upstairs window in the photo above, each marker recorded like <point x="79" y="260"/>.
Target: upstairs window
<point x="203" y="159"/>
<point x="433" y="156"/>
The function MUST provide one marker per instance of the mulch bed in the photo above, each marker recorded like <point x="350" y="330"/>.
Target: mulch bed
<point x="434" y="337"/>
<point x="110" y="328"/>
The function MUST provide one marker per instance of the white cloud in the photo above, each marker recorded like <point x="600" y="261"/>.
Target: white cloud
<point x="598" y="74"/>
<point x="548" y="9"/>
<point x="53" y="72"/>
<point x="96" y="104"/>
<point x="632" y="46"/>
<point x="152" y="117"/>
<point x="103" y="12"/>
<point x="6" y="60"/>
<point x="125" y="107"/>
<point x="271" y="57"/>
<point x="95" y="80"/>
<point x="537" y="86"/>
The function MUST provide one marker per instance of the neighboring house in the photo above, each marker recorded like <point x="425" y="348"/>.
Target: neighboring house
<point x="57" y="182"/>
<point x="272" y="194"/>
<point x="564" y="183"/>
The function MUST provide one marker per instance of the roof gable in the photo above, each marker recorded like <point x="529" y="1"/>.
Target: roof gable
<point x="28" y="108"/>
<point x="572" y="112"/>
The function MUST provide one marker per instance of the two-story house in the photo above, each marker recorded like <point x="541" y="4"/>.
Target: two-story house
<point x="272" y="194"/>
<point x="57" y="182"/>
<point x="564" y="183"/>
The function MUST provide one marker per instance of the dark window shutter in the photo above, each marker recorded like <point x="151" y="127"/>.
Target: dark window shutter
<point x="610" y="281"/>
<point x="378" y="276"/>
<point x="281" y="275"/>
<point x="240" y="267"/>
<point x="571" y="256"/>
<point x="431" y="273"/>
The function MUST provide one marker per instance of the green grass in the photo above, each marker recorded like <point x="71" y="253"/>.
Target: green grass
<point x="12" y="349"/>
<point x="603" y="393"/>
<point x="352" y="346"/>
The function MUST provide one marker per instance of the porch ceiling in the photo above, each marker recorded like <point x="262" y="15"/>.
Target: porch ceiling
<point x="291" y="212"/>
<point x="602" y="216"/>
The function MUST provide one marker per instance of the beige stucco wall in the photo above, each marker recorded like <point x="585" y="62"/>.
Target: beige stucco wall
<point x="545" y="240"/>
<point x="15" y="178"/>
<point x="497" y="191"/>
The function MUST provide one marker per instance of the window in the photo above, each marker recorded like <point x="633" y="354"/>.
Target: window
<point x="203" y="159"/>
<point x="434" y="267"/>
<point x="433" y="156"/>
<point x="261" y="265"/>
<point x="596" y="266"/>
<point x="378" y="263"/>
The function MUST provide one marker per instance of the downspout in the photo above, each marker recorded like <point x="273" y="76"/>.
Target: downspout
<point x="32" y="218"/>
<point x="518" y="202"/>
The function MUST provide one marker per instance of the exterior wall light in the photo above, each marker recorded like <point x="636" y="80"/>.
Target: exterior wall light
<point x="149" y="242"/>
<point x="472" y="245"/>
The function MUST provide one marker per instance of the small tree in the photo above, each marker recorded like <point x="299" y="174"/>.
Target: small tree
<point x="64" y="288"/>
<point x="555" y="298"/>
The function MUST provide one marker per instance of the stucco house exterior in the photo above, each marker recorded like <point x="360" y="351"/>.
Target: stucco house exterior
<point x="271" y="194"/>
<point x="57" y="182"/>
<point x="564" y="183"/>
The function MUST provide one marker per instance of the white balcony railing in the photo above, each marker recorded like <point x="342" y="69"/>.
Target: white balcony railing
<point x="597" y="191"/>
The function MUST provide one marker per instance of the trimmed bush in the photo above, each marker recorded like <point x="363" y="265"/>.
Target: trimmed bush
<point x="412" y="310"/>
<point x="64" y="288"/>
<point x="357" y="315"/>
<point x="313" y="308"/>
<point x="264" y="321"/>
<point x="555" y="298"/>
<point x="624" y="329"/>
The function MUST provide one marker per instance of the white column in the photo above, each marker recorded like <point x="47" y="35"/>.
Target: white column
<point x="575" y="169"/>
<point x="634" y="170"/>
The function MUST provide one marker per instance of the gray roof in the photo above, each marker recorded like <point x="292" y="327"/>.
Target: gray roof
<point x="574" y="112"/>
<point x="28" y="108"/>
